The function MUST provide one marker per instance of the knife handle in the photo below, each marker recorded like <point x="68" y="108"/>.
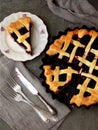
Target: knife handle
<point x="50" y="108"/>
<point x="43" y="114"/>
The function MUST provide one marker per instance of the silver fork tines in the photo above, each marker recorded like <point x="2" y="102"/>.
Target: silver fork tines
<point x="12" y="94"/>
<point x="17" y="94"/>
<point x="9" y="92"/>
<point x="14" y="85"/>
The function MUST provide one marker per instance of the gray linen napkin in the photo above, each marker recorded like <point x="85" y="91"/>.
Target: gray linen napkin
<point x="3" y="125"/>
<point x="76" y="11"/>
<point x="20" y="116"/>
<point x="81" y="119"/>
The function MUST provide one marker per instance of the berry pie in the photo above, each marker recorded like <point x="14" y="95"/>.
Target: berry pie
<point x="70" y="67"/>
<point x="20" y="31"/>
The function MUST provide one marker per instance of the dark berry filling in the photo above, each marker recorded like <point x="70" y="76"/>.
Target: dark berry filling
<point x="62" y="77"/>
<point x="70" y="48"/>
<point x="14" y="36"/>
<point x="95" y="44"/>
<point x="68" y="90"/>
<point x="85" y="39"/>
<point x="22" y="31"/>
<point x="86" y="94"/>
<point x="75" y="37"/>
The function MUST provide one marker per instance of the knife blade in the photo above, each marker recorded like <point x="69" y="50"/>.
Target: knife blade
<point x="25" y="82"/>
<point x="33" y="90"/>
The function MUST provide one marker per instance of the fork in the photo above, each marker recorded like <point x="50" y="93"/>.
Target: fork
<point x="20" y="96"/>
<point x="27" y="83"/>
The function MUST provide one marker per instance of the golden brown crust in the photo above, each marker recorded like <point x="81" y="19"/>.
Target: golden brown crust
<point x="21" y="22"/>
<point x="14" y="28"/>
<point x="54" y="83"/>
<point x="59" y="46"/>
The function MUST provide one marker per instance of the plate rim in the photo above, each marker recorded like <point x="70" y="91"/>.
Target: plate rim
<point x="45" y="31"/>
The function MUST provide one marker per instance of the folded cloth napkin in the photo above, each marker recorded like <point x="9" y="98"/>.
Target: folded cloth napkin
<point x="21" y="116"/>
<point x="4" y="125"/>
<point x="76" y="11"/>
<point x="81" y="119"/>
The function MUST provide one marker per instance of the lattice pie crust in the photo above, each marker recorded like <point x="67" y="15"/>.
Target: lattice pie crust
<point x="88" y="59"/>
<point x="20" y="30"/>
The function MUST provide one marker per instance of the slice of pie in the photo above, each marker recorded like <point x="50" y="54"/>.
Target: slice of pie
<point x="20" y="31"/>
<point x="70" y="67"/>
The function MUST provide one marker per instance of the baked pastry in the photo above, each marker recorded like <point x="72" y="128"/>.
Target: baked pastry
<point x="20" y="31"/>
<point x="72" y="71"/>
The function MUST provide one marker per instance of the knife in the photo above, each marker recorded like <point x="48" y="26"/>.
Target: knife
<point x="33" y="90"/>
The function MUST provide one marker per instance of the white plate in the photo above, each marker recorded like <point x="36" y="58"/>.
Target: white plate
<point x="38" y="39"/>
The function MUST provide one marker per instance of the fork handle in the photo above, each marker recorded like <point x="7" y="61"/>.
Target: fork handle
<point x="51" y="110"/>
<point x="44" y="115"/>
<point x="39" y="111"/>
